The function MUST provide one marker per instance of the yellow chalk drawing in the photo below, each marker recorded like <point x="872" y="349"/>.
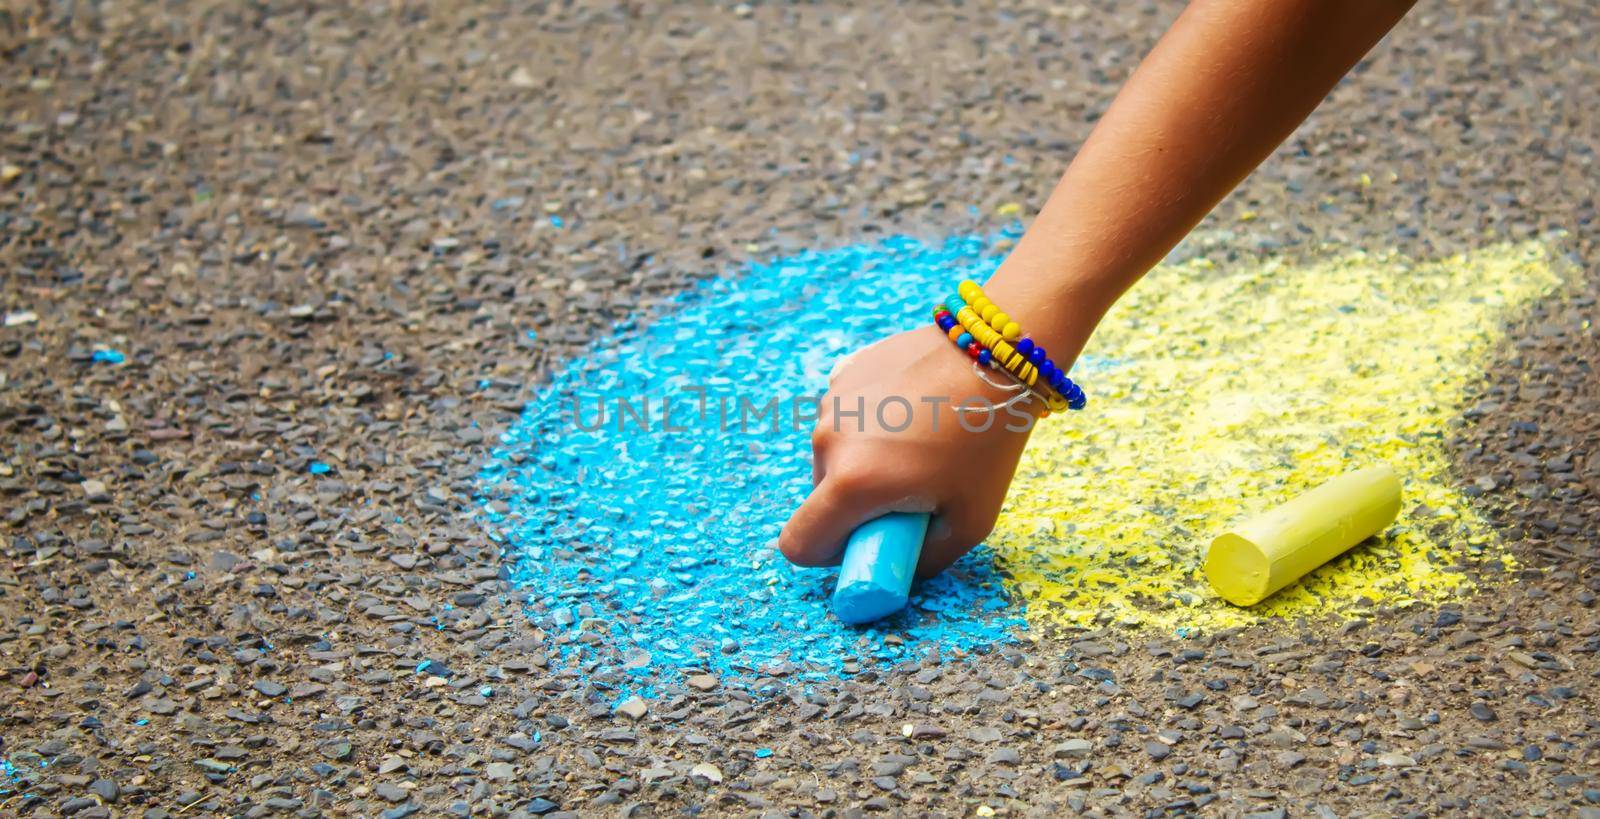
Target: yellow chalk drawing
<point x="1216" y="392"/>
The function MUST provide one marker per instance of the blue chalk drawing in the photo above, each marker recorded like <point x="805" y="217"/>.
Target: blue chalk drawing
<point x="664" y="539"/>
<point x="13" y="780"/>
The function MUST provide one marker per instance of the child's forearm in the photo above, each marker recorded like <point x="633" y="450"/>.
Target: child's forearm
<point x="1224" y="86"/>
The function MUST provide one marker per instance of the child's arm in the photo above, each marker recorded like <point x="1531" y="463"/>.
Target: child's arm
<point x="1226" y="84"/>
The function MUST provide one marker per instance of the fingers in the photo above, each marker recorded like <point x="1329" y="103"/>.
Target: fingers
<point x="815" y="535"/>
<point x="950" y="536"/>
<point x="819" y="453"/>
<point x="816" y="532"/>
<point x="840" y="365"/>
<point x="965" y="520"/>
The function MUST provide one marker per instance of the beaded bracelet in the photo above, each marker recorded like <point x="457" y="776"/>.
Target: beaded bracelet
<point x="1011" y="331"/>
<point x="1007" y="359"/>
<point x="1022" y="375"/>
<point x="992" y="339"/>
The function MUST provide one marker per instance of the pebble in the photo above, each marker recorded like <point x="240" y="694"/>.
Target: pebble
<point x="1005" y="756"/>
<point x="632" y="708"/>
<point x="106" y="789"/>
<point x="1273" y="813"/>
<point x="270" y="688"/>
<point x="1076" y="747"/>
<point x="390" y="792"/>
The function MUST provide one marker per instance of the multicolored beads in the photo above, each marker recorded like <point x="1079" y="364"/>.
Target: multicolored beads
<point x="990" y="336"/>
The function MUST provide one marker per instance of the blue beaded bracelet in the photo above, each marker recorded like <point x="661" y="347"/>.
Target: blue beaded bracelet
<point x="1048" y="371"/>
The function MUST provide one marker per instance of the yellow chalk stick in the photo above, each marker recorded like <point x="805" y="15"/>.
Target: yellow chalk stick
<point x="1262" y="555"/>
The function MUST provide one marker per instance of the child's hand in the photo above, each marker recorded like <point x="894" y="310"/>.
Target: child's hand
<point x="866" y="466"/>
<point x="1216" y="95"/>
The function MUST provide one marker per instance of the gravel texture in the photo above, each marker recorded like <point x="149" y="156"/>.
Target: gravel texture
<point x="268" y="276"/>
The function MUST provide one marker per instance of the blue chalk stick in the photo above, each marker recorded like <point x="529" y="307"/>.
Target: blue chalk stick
<point x="879" y="561"/>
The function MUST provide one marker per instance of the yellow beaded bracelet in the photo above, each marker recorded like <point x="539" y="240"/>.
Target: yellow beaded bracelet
<point x="973" y="314"/>
<point x="1006" y="356"/>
